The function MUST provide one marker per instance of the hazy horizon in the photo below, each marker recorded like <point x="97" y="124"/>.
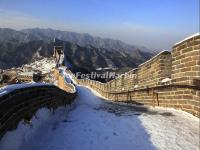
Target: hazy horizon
<point x="154" y="24"/>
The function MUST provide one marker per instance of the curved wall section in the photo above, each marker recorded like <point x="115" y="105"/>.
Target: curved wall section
<point x="24" y="101"/>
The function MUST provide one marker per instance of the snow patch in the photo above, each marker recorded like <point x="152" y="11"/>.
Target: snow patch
<point x="44" y="65"/>
<point x="153" y="57"/>
<point x="196" y="34"/>
<point x="9" y="88"/>
<point x="166" y="80"/>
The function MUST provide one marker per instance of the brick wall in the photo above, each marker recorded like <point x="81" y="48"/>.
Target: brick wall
<point x="62" y="84"/>
<point x="56" y="74"/>
<point x="182" y="97"/>
<point x="65" y="86"/>
<point x="186" y="61"/>
<point x="148" y="74"/>
<point x="156" y="69"/>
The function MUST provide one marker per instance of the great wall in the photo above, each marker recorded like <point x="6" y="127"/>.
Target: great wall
<point x="170" y="79"/>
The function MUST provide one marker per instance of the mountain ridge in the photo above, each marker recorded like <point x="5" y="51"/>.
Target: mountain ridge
<point x="82" y="39"/>
<point x="18" y="48"/>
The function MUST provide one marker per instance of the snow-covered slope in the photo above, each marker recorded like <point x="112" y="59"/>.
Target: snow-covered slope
<point x="96" y="124"/>
<point x="45" y="65"/>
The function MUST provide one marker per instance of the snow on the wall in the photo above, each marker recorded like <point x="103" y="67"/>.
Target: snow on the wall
<point x="10" y="88"/>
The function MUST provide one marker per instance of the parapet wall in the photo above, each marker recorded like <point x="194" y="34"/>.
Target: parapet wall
<point x="182" y="97"/>
<point x="152" y="72"/>
<point x="148" y="74"/>
<point x="24" y="102"/>
<point x="186" y="61"/>
<point x="168" y="80"/>
<point x="61" y="82"/>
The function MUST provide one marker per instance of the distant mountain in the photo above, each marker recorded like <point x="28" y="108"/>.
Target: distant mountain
<point x="83" y="58"/>
<point x="91" y="58"/>
<point x="84" y="40"/>
<point x="16" y="54"/>
<point x="83" y="52"/>
<point x="10" y="35"/>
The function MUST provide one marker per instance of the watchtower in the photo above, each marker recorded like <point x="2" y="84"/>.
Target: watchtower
<point x="58" y="53"/>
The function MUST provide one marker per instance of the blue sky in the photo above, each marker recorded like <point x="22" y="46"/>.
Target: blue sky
<point x="155" y="24"/>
